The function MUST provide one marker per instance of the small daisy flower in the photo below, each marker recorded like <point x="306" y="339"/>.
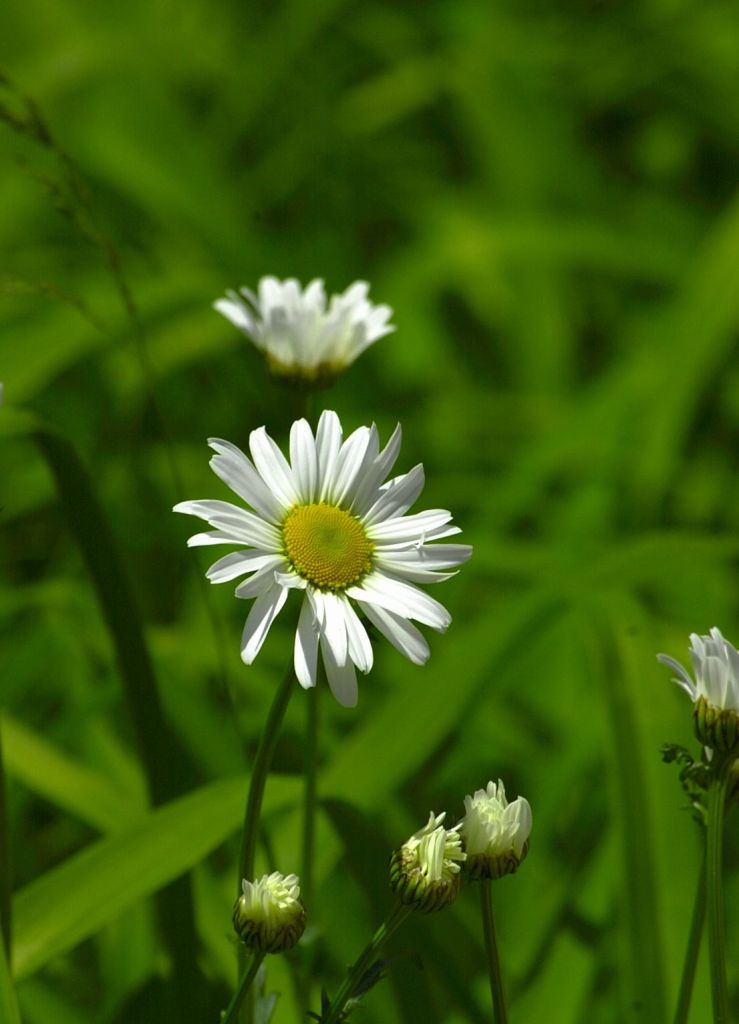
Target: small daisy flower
<point x="269" y="916"/>
<point x="327" y="523"/>
<point x="301" y="338"/>
<point x="715" y="689"/>
<point x="425" y="871"/>
<point x="495" y="832"/>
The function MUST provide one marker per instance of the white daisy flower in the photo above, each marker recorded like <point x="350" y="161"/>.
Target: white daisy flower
<point x="269" y="916"/>
<point x="715" y="689"/>
<point x="327" y="523"/>
<point x="495" y="832"/>
<point x="299" y="336"/>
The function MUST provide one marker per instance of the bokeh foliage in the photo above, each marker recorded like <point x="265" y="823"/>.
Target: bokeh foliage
<point x="546" y="195"/>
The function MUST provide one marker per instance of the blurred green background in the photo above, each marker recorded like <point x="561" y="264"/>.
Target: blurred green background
<point x="546" y="195"/>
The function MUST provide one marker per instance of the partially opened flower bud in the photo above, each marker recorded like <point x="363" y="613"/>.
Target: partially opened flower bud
<point x="269" y="916"/>
<point x="495" y="832"/>
<point x="307" y="339"/>
<point x="424" y="872"/>
<point x="715" y="690"/>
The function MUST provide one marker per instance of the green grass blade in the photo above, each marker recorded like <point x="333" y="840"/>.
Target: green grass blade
<point x="5" y="876"/>
<point x="73" y="901"/>
<point x="9" y="1012"/>
<point x="643" y="984"/>
<point x="164" y="762"/>
<point x="63" y="781"/>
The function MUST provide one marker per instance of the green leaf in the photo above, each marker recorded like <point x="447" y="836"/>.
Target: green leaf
<point x="72" y="902"/>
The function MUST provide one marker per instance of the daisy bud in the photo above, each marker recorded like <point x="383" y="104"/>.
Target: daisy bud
<point x="424" y="872"/>
<point x="269" y="916"/>
<point x="495" y="832"/>
<point x="714" y="691"/>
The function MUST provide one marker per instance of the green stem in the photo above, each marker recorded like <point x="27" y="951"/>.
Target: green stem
<point x="243" y="987"/>
<point x="310" y="771"/>
<point x="393" y="921"/>
<point x="714" y="895"/>
<point x="257" y="783"/>
<point x="491" y="948"/>
<point x="693" y="949"/>
<point x="5" y="886"/>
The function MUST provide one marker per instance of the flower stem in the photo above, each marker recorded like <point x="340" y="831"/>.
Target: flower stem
<point x="310" y="771"/>
<point x="257" y="783"/>
<point x="491" y="948"/>
<point x="693" y="949"/>
<point x="348" y="987"/>
<point x="714" y="895"/>
<point x="5" y="885"/>
<point x="243" y="987"/>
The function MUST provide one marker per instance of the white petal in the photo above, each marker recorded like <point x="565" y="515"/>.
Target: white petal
<point x="715" y="680"/>
<point x="237" y="564"/>
<point x="401" y="633"/>
<point x="409" y="573"/>
<point x="351" y="461"/>
<point x="263" y="613"/>
<point x="429" y="556"/>
<point x="328" y="446"/>
<point x="236" y="470"/>
<point x="330" y="614"/>
<point x="306" y="646"/>
<point x="213" y="537"/>
<point x="417" y="542"/>
<point x="273" y="467"/>
<point x="397" y="497"/>
<point x="237" y="312"/>
<point x="262" y="580"/>
<point x="342" y="679"/>
<point x="402" y="598"/>
<point x="415" y="527"/>
<point x="291" y="580"/>
<point x="367" y="488"/>
<point x="682" y="679"/>
<point x="304" y="461"/>
<point x="243" y="525"/>
<point x="360" y="648"/>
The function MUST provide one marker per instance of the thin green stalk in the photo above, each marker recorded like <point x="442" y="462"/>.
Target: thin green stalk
<point x="693" y="949"/>
<point x="252" y="813"/>
<point x="243" y="987"/>
<point x="5" y="876"/>
<point x="714" y="896"/>
<point x="310" y="770"/>
<point x="491" y="948"/>
<point x="348" y="987"/>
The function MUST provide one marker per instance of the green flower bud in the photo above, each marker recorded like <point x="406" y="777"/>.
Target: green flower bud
<point x="716" y="727"/>
<point x="424" y="872"/>
<point x="269" y="916"/>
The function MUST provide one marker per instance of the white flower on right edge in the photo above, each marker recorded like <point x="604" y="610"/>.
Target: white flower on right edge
<point x="495" y="832"/>
<point x="715" y="689"/>
<point x="301" y="335"/>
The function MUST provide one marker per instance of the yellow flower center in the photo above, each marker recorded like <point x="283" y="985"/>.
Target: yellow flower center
<point x="326" y="546"/>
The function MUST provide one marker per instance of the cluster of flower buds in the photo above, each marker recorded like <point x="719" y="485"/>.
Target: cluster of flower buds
<point x="492" y="840"/>
<point x="269" y="916"/>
